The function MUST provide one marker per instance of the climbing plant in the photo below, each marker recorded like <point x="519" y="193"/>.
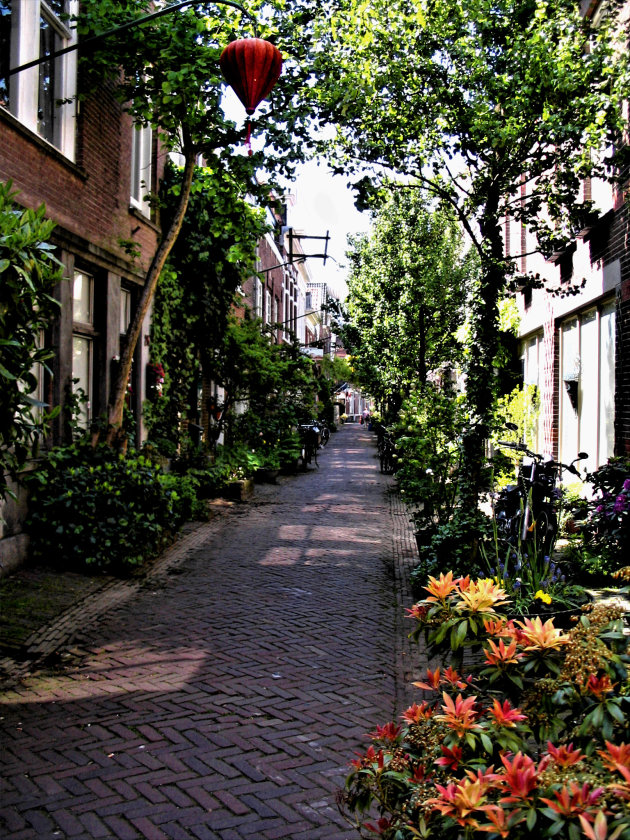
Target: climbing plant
<point x="28" y="274"/>
<point x="216" y="249"/>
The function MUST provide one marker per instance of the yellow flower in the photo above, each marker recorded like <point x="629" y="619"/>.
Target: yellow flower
<point x="481" y="596"/>
<point x="544" y="597"/>
<point x="538" y="636"/>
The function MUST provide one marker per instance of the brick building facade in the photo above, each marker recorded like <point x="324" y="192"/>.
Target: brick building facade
<point x="92" y="169"/>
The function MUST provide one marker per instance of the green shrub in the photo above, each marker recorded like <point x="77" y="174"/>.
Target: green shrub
<point x="96" y="509"/>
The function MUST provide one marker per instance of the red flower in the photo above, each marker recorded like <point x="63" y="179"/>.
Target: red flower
<point x="564" y="756"/>
<point x="380" y="828"/>
<point x="434" y="679"/>
<point x="450" y="758"/>
<point x="459" y="714"/>
<point x="416" y="713"/>
<point x="505" y="715"/>
<point x="573" y="800"/>
<point x="451" y="677"/>
<point x="598" y="686"/>
<point x="616" y="755"/>
<point x="519" y="776"/>
<point x="390" y="733"/>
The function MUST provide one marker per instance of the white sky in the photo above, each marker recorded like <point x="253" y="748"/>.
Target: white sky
<point x="323" y="202"/>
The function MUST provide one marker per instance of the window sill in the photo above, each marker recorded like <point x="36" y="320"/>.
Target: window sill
<point x="140" y="216"/>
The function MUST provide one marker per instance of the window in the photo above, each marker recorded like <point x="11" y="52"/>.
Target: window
<point x="267" y="306"/>
<point x="5" y="51"/>
<point x="258" y="297"/>
<point x="141" y="157"/>
<point x="125" y="310"/>
<point x="587" y="398"/>
<point x="42" y="97"/>
<point x="83" y="343"/>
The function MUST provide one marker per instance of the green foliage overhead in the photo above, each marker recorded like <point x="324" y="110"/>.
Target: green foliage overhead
<point x="28" y="274"/>
<point x="473" y="99"/>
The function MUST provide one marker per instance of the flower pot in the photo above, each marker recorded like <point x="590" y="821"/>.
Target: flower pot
<point x="238" y="490"/>
<point x="266" y="476"/>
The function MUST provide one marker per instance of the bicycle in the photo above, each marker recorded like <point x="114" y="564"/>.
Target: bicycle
<point x="525" y="513"/>
<point x="387" y="455"/>
<point x="310" y="436"/>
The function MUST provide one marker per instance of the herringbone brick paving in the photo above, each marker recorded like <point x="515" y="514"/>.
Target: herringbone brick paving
<point x="225" y="697"/>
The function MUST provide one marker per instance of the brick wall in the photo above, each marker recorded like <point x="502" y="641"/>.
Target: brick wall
<point x="89" y="199"/>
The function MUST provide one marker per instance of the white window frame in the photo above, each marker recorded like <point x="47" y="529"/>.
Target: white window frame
<point x="258" y="297"/>
<point x="598" y="448"/>
<point x="83" y="331"/>
<point x="125" y="310"/>
<point x="141" y="168"/>
<point x="24" y="86"/>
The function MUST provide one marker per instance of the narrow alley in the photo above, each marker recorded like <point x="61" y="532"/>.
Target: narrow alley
<point x="226" y="696"/>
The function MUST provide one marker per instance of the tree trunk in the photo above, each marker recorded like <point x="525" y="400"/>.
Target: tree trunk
<point x="422" y="346"/>
<point x="115" y="433"/>
<point x="481" y="376"/>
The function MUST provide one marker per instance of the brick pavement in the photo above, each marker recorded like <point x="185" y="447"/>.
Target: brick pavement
<point x="225" y="695"/>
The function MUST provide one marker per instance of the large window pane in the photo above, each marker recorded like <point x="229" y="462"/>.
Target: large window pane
<point x="589" y="386"/>
<point x="82" y="298"/>
<point x="570" y="352"/>
<point x="82" y="374"/>
<point x="5" y="50"/>
<point x="607" y="386"/>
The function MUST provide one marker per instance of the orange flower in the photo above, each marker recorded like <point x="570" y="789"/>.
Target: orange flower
<point x="459" y="714"/>
<point x="573" y="800"/>
<point x="616" y="755"/>
<point x="451" y="677"/>
<point x="495" y="626"/>
<point x="501" y="822"/>
<point x="537" y="636"/>
<point x="564" y="756"/>
<point x="459" y="800"/>
<point x="500" y="655"/>
<point x="598" y="686"/>
<point x="520" y="777"/>
<point x="505" y="715"/>
<point x="416" y="713"/>
<point x="433" y="680"/>
<point x="390" y="732"/>
<point x="439" y="590"/>
<point x="481" y="596"/>
<point x="451" y="758"/>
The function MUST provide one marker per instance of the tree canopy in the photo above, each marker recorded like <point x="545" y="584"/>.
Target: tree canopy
<point x="407" y="290"/>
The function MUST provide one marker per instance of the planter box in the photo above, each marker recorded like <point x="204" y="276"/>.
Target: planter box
<point x="263" y="476"/>
<point x="238" y="491"/>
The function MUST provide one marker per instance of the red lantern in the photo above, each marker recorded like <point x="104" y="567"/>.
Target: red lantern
<point x="251" y="67"/>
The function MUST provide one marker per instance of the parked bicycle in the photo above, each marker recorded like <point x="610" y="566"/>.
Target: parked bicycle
<point x="526" y="513"/>
<point x="386" y="450"/>
<point x="310" y="436"/>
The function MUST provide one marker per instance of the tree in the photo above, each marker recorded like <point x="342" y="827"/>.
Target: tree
<point x="474" y="99"/>
<point x="167" y="75"/>
<point x="407" y="288"/>
<point x="28" y="274"/>
<point x="215" y="249"/>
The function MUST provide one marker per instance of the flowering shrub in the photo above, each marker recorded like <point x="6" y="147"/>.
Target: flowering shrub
<point x="535" y="739"/>
<point x="606" y="530"/>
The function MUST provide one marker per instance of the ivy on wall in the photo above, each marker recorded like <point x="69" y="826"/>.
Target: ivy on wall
<point x="215" y="251"/>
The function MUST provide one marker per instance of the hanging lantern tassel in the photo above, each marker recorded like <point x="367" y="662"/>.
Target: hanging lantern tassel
<point x="251" y="67"/>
